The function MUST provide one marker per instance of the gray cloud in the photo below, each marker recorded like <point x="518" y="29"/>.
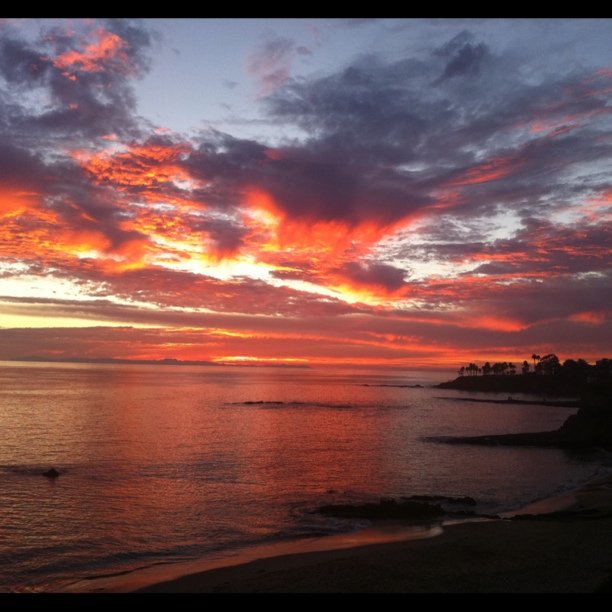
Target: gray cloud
<point x="388" y="277"/>
<point x="463" y="56"/>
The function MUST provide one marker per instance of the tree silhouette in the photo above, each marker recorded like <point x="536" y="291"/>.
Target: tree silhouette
<point x="549" y="365"/>
<point x="525" y="367"/>
<point x="473" y="369"/>
<point x="603" y="369"/>
<point x="572" y="371"/>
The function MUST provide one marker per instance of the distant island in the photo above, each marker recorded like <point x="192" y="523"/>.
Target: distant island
<point x="590" y="427"/>
<point x="167" y="361"/>
<point x="112" y="360"/>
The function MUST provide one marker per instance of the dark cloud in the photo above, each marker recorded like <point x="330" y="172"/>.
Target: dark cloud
<point x="463" y="56"/>
<point x="20" y="63"/>
<point x="308" y="184"/>
<point x="228" y="236"/>
<point x="19" y="166"/>
<point x="384" y="143"/>
<point x="375" y="274"/>
<point x="371" y="111"/>
<point x="316" y="187"/>
<point x="388" y="117"/>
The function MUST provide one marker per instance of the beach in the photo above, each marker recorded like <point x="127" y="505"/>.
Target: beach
<point x="568" y="550"/>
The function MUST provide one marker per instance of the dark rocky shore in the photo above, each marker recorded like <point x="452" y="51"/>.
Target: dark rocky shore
<point x="415" y="507"/>
<point x="590" y="427"/>
<point x="536" y="385"/>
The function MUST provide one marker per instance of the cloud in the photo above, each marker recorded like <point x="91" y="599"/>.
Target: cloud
<point x="271" y="62"/>
<point x="382" y="276"/>
<point x="107" y="50"/>
<point x="83" y="79"/>
<point x="463" y="56"/>
<point x="444" y="200"/>
<point x="19" y="166"/>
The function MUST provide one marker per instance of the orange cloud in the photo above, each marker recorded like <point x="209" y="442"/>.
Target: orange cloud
<point x="15" y="201"/>
<point x="321" y="246"/>
<point x="140" y="166"/>
<point x="94" y="56"/>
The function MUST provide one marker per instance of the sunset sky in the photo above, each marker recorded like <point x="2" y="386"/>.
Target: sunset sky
<point x="393" y="192"/>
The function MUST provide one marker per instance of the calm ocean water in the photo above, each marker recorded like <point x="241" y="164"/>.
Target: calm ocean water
<point x="161" y="464"/>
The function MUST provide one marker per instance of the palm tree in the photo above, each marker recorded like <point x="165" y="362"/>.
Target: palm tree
<point x="525" y="367"/>
<point x="535" y="357"/>
<point x="549" y="364"/>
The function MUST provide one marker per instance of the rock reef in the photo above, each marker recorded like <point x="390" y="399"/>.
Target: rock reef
<point x="385" y="509"/>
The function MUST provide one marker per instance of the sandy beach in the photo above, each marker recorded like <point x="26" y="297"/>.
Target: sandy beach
<point x="564" y="551"/>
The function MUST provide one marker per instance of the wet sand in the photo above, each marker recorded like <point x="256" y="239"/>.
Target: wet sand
<point x="569" y="550"/>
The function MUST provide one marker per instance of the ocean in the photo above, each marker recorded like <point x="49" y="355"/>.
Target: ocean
<point x="168" y="464"/>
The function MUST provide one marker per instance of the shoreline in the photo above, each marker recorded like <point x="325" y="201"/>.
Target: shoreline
<point x="306" y="564"/>
<point x="140" y="579"/>
<point x="566" y="549"/>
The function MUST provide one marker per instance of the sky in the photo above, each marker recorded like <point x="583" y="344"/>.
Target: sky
<point x="404" y="193"/>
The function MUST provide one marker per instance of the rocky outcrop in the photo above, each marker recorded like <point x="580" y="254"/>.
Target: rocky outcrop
<point x="541" y="384"/>
<point x="590" y="427"/>
<point x="52" y="473"/>
<point x="385" y="509"/>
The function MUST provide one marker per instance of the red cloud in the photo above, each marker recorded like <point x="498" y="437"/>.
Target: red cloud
<point x="96" y="56"/>
<point x="593" y="318"/>
<point x="490" y="170"/>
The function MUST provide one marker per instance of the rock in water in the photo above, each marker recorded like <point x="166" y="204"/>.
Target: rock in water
<point x="384" y="509"/>
<point x="52" y="473"/>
